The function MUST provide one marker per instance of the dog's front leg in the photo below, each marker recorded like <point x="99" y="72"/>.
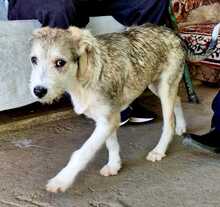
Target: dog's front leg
<point x="79" y="159"/>
<point x="114" y="162"/>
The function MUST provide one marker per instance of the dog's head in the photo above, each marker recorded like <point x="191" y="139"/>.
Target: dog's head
<point x="59" y="59"/>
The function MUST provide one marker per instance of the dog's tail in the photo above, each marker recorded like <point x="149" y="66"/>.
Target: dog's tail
<point x="195" y="57"/>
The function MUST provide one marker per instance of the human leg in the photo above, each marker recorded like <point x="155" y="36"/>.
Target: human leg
<point x="210" y="140"/>
<point x="53" y="13"/>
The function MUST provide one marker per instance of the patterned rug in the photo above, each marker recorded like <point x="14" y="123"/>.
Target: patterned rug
<point x="197" y="38"/>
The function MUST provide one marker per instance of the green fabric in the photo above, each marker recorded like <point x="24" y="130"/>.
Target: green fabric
<point x="187" y="79"/>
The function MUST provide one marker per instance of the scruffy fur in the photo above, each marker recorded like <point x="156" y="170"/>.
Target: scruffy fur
<point x="103" y="75"/>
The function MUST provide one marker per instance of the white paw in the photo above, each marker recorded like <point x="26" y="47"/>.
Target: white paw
<point x="108" y="170"/>
<point x="58" y="184"/>
<point x="155" y="156"/>
<point x="180" y="129"/>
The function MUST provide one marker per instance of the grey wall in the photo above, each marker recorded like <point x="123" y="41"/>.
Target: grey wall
<point x="14" y="63"/>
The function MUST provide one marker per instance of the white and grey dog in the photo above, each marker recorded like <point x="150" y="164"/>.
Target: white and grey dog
<point x="103" y="75"/>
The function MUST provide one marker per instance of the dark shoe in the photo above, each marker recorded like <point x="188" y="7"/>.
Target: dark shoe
<point x="125" y="116"/>
<point x="140" y="114"/>
<point x="209" y="141"/>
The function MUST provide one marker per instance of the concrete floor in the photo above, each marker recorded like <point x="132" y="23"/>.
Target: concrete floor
<point x="186" y="177"/>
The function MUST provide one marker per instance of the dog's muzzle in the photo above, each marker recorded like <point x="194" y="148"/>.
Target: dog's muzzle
<point x="40" y="91"/>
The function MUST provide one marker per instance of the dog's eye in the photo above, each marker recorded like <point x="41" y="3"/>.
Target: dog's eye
<point x="60" y="63"/>
<point x="34" y="60"/>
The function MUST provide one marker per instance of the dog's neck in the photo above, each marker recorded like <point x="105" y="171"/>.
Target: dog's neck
<point x="78" y="97"/>
<point x="82" y="91"/>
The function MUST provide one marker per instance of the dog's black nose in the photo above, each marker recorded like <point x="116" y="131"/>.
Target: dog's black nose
<point x="40" y="91"/>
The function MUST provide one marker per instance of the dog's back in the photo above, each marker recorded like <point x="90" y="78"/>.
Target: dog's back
<point x="136" y="58"/>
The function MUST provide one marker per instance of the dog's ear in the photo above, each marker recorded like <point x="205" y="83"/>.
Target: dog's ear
<point x="41" y="33"/>
<point x="83" y="45"/>
<point x="82" y="39"/>
<point x="84" y="67"/>
<point x="37" y="34"/>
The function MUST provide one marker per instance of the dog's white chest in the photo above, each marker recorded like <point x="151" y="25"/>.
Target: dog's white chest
<point x="82" y="101"/>
<point x="80" y="104"/>
<point x="87" y="102"/>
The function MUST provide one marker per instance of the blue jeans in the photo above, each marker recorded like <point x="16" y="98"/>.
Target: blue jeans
<point x="63" y="13"/>
<point x="3" y="10"/>
<point x="216" y="110"/>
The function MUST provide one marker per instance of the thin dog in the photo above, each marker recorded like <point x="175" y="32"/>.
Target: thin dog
<point x="103" y="75"/>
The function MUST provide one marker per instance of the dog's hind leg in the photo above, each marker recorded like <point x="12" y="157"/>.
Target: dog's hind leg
<point x="105" y="126"/>
<point x="180" y="120"/>
<point x="114" y="163"/>
<point x="167" y="102"/>
<point x="154" y="89"/>
<point x="178" y="111"/>
<point x="167" y="91"/>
